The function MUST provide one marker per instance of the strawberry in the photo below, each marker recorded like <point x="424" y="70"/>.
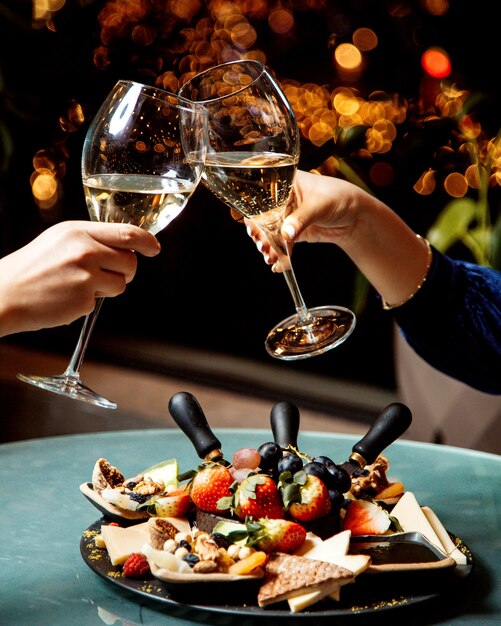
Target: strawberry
<point x="258" y="496"/>
<point x="276" y="535"/>
<point x="209" y="485"/>
<point x="174" y="504"/>
<point x="366" y="518"/>
<point x="306" y="496"/>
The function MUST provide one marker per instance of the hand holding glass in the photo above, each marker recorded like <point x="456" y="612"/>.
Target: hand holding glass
<point x="134" y="171"/>
<point x="251" y="161"/>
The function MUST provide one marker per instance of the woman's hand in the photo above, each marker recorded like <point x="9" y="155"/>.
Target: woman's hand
<point x="321" y="209"/>
<point x="57" y="277"/>
<point x="324" y="209"/>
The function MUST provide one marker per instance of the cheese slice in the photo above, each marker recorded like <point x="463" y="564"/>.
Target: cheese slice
<point x="356" y="563"/>
<point x="333" y="550"/>
<point x="310" y="542"/>
<point x="299" y="603"/>
<point x="122" y="542"/>
<point x="444" y="536"/>
<point x="412" y="519"/>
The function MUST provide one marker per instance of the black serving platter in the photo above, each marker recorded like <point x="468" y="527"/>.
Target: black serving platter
<point x="367" y="595"/>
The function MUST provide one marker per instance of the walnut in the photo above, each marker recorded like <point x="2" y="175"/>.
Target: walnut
<point x="373" y="479"/>
<point x="206" y="548"/>
<point x="148" y="487"/>
<point x="204" y="567"/>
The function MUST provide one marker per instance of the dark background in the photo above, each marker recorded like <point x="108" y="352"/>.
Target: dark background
<point x="210" y="288"/>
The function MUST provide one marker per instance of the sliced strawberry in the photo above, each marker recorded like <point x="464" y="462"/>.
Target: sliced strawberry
<point x="258" y="496"/>
<point x="174" y="504"/>
<point x="314" y="501"/>
<point x="209" y="485"/>
<point x="277" y="535"/>
<point x="366" y="518"/>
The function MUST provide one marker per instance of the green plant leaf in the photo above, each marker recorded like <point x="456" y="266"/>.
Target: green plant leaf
<point x="452" y="223"/>
<point x="496" y="245"/>
<point x="478" y="240"/>
<point x="361" y="288"/>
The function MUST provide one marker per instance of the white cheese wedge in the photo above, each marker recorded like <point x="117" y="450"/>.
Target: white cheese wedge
<point x="412" y="519"/>
<point x="299" y="603"/>
<point x="122" y="542"/>
<point x="444" y="536"/>
<point x="310" y="542"/>
<point x="165" y="560"/>
<point x="356" y="563"/>
<point x="333" y="550"/>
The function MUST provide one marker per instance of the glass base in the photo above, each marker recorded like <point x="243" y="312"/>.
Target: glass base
<point x="67" y="386"/>
<point x="328" y="327"/>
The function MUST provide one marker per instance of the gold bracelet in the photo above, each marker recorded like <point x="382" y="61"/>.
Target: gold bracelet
<point x="386" y="306"/>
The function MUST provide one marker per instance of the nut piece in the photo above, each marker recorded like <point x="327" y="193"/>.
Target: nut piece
<point x="372" y="479"/>
<point x="206" y="548"/>
<point x="205" y="567"/>
<point x="148" y="487"/>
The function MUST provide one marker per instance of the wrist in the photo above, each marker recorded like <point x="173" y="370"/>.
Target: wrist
<point x="7" y="316"/>
<point x="388" y="306"/>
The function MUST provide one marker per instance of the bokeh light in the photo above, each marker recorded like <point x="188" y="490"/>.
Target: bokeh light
<point x="168" y="42"/>
<point x="436" y="63"/>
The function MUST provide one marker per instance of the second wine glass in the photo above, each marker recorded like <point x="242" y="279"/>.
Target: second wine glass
<point x="134" y="171"/>
<point x="251" y="161"/>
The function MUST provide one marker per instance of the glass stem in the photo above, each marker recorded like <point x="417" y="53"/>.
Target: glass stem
<point x="284" y="257"/>
<point x="302" y="311"/>
<point x="271" y="229"/>
<point x="73" y="369"/>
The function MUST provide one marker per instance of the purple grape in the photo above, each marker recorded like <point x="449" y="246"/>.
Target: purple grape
<point x="269" y="452"/>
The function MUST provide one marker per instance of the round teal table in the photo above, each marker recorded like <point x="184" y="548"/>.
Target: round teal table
<point x="44" y="580"/>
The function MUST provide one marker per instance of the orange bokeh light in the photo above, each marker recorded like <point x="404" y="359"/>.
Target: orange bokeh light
<point x="436" y="63"/>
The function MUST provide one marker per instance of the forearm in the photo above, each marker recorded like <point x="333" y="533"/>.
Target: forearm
<point x="7" y="312"/>
<point x="390" y="255"/>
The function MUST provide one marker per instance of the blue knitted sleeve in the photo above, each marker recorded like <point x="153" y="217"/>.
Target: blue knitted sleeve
<point x="454" y="322"/>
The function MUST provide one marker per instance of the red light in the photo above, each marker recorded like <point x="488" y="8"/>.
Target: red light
<point x="436" y="63"/>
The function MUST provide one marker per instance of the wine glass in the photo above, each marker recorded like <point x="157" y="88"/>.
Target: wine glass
<point x="134" y="171"/>
<point x="251" y="161"/>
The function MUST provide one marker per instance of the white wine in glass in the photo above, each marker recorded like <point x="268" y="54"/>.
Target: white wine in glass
<point x="251" y="162"/>
<point x="134" y="171"/>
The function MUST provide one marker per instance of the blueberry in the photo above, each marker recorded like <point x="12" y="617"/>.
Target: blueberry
<point x="341" y="480"/>
<point x="289" y="463"/>
<point x="269" y="452"/>
<point x="191" y="558"/>
<point x="184" y="544"/>
<point x="138" y="497"/>
<point x="131" y="484"/>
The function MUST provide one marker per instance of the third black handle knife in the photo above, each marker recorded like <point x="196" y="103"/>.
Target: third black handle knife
<point x="393" y="421"/>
